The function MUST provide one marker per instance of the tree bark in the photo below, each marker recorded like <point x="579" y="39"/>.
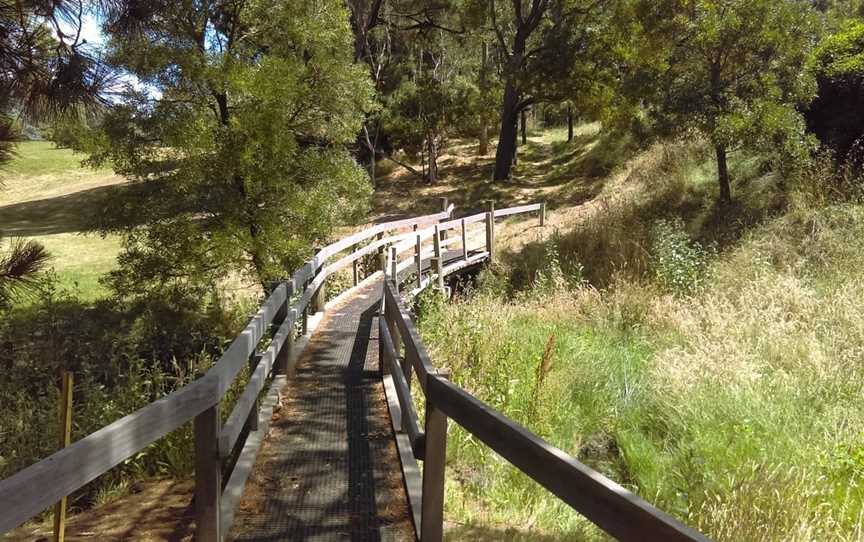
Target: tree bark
<point x="569" y="123"/>
<point x="723" y="174"/>
<point x="483" y="149"/>
<point x="432" y="150"/>
<point x="524" y="128"/>
<point x="506" y="150"/>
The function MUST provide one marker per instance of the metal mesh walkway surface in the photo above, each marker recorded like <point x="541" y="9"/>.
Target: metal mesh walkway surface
<point x="329" y="468"/>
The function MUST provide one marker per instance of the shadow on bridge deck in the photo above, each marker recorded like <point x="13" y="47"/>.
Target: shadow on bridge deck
<point x="329" y="469"/>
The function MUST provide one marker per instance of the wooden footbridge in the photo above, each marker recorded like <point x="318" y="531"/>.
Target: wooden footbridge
<point x="323" y="442"/>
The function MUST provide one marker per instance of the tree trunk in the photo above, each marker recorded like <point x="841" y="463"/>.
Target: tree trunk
<point x="569" y="123"/>
<point x="506" y="150"/>
<point x="524" y="128"/>
<point x="516" y="146"/>
<point x="723" y="174"/>
<point x="432" y="149"/>
<point x="484" y="128"/>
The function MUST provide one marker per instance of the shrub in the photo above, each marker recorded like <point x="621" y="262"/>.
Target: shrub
<point x="679" y="263"/>
<point x="123" y="356"/>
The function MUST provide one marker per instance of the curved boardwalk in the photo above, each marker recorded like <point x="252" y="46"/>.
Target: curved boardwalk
<point x="329" y="469"/>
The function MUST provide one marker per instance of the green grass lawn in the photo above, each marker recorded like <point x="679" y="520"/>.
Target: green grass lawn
<point x="46" y="195"/>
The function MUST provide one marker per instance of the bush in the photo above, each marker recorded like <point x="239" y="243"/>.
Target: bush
<point x="679" y="263"/>
<point x="123" y="356"/>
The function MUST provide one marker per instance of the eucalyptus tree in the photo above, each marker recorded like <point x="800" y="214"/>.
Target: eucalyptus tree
<point x="539" y="45"/>
<point x="731" y="70"/>
<point x="233" y="140"/>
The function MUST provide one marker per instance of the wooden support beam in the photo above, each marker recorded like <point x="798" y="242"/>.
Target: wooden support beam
<point x="542" y="214"/>
<point x="394" y="267"/>
<point x="434" y="460"/>
<point x="283" y="357"/>
<point x="208" y="477"/>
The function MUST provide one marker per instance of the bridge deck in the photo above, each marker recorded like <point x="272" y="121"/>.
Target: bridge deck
<point x="329" y="469"/>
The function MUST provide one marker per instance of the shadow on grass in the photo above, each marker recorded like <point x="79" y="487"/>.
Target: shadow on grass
<point x="68" y="213"/>
<point x="559" y="172"/>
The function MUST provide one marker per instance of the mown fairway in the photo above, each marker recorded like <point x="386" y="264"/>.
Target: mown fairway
<point x="48" y="196"/>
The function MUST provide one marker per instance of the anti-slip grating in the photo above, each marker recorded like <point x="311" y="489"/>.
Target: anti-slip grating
<point x="329" y="469"/>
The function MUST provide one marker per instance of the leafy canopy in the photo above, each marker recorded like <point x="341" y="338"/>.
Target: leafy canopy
<point x="729" y="69"/>
<point x="235" y="141"/>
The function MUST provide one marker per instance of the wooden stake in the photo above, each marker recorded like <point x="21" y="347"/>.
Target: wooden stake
<point x="464" y="240"/>
<point x="65" y="412"/>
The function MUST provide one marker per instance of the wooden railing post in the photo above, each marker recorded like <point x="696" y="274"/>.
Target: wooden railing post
<point x="304" y="315"/>
<point x="542" y="214"/>
<point x="490" y="235"/>
<point x="444" y="204"/>
<point x="382" y="255"/>
<point x="393" y="328"/>
<point x="464" y="240"/>
<point x="355" y="267"/>
<point x="283" y="357"/>
<point x="394" y="266"/>
<point x="436" y="240"/>
<point x="208" y="477"/>
<point x="438" y="269"/>
<point x="418" y="260"/>
<point x="252" y="420"/>
<point x="434" y="460"/>
<point x="320" y="294"/>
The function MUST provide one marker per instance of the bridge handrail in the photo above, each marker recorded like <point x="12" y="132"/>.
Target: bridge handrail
<point x="611" y="507"/>
<point x="33" y="489"/>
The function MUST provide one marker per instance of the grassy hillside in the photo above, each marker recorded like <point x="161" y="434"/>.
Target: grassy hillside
<point x="47" y="196"/>
<point x="708" y="359"/>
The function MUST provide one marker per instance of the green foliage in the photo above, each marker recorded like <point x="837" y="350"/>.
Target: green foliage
<point x="551" y="276"/>
<point x="729" y="408"/>
<point x="835" y="116"/>
<point x="123" y="357"/>
<point x="679" y="263"/>
<point x="736" y="78"/>
<point x="68" y="132"/>
<point x="841" y="55"/>
<point x="22" y="266"/>
<point x="235" y="145"/>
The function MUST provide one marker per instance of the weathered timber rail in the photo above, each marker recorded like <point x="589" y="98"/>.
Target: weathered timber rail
<point x="435" y="247"/>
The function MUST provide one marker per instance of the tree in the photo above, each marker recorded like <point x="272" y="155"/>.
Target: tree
<point x="539" y="45"/>
<point x="836" y="116"/>
<point x="234" y="143"/>
<point x="728" y="69"/>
